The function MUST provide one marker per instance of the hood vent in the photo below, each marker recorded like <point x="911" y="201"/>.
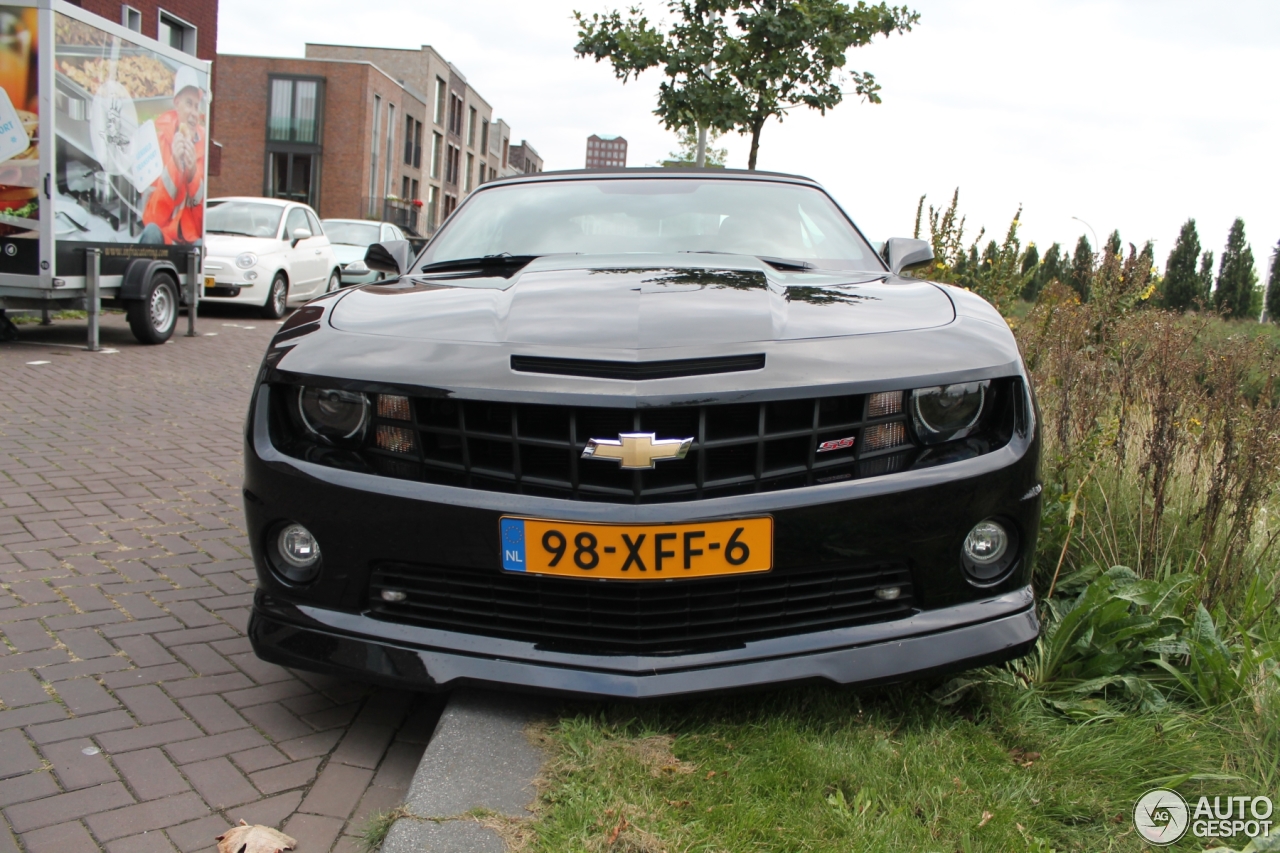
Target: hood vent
<point x="636" y="370"/>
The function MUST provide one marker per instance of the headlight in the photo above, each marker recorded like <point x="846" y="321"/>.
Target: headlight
<point x="333" y="415"/>
<point x="356" y="268"/>
<point x="245" y="260"/>
<point x="947" y="412"/>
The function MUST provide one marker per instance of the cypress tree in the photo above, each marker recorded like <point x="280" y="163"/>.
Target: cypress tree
<point x="1113" y="242"/>
<point x="1181" y="281"/>
<point x="1051" y="268"/>
<point x="1080" y="276"/>
<point x="1206" y="277"/>
<point x="1236" y="276"/>
<point x="1030" y="262"/>
<point x="1273" y="287"/>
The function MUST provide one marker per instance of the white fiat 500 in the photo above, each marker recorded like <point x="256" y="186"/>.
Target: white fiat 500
<point x="267" y="252"/>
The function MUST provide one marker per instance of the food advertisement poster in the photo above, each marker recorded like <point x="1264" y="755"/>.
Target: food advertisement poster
<point x="132" y="136"/>
<point x="19" y="142"/>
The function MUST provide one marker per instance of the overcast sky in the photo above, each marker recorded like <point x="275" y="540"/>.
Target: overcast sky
<point x="1129" y="114"/>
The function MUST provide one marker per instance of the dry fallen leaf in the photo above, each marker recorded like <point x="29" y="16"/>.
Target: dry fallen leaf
<point x="986" y="816"/>
<point x="617" y="830"/>
<point x="254" y="839"/>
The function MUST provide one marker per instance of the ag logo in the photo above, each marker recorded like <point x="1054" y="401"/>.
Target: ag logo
<point x="1161" y="816"/>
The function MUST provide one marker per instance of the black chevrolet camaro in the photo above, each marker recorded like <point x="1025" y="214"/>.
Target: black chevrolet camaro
<point x="643" y="433"/>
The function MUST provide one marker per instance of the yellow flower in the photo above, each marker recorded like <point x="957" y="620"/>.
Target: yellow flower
<point x="1195" y="422"/>
<point x="1146" y="294"/>
<point x="941" y="266"/>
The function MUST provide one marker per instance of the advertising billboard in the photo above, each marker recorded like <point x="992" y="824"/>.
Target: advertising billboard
<point x="132" y="136"/>
<point x="19" y="141"/>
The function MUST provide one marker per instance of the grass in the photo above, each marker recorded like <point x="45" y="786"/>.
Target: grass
<point x="378" y="824"/>
<point x="818" y="769"/>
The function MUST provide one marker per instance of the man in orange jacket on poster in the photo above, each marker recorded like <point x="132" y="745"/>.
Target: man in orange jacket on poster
<point x="174" y="211"/>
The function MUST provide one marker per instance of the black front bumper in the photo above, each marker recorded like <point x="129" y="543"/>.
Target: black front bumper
<point x="917" y="518"/>
<point x="352" y="645"/>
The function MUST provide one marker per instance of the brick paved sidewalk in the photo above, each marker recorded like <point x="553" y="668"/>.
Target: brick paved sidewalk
<point x="133" y="714"/>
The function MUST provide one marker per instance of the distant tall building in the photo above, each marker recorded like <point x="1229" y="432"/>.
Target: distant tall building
<point x="606" y="152"/>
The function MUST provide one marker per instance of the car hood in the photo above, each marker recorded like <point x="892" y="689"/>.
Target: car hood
<point x="346" y="254"/>
<point x="642" y="304"/>
<point x="230" y="245"/>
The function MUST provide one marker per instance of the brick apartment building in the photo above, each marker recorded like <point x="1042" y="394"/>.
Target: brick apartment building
<point x="524" y="159"/>
<point x="342" y="136"/>
<point x="606" y="152"/>
<point x="457" y="140"/>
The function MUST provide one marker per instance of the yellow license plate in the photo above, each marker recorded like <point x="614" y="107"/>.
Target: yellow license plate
<point x="642" y="552"/>
<point x="210" y="282"/>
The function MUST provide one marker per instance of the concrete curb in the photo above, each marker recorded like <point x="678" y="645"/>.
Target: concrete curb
<point x="479" y="758"/>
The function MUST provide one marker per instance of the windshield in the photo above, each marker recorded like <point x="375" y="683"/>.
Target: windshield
<point x="351" y="233"/>
<point x="246" y="218"/>
<point x="655" y="215"/>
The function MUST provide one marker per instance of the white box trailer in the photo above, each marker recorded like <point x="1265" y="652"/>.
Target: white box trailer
<point x="103" y="146"/>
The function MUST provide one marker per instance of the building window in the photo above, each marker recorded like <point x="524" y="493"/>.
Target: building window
<point x="131" y="18"/>
<point x="176" y="33"/>
<point x="441" y="89"/>
<point x="413" y="190"/>
<point x="471" y="128"/>
<point x="387" y="184"/>
<point x="374" y="207"/>
<point x="437" y="144"/>
<point x="481" y="175"/>
<point x="294" y="176"/>
<point x="484" y="135"/>
<point x="455" y="114"/>
<point x="452" y="165"/>
<point x="412" y="142"/>
<point x="294" y="118"/>
<point x="471" y="164"/>
<point x="433" y="200"/>
<point x="294" y="111"/>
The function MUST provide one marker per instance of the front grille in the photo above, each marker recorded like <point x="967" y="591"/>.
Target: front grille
<point x="737" y="448"/>
<point x="640" y="617"/>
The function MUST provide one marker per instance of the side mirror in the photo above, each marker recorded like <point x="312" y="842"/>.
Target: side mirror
<point x="903" y="253"/>
<point x="390" y="256"/>
<point x="300" y="234"/>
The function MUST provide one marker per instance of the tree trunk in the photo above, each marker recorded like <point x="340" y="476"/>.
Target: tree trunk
<point x="756" y="126"/>
<point x="701" y="159"/>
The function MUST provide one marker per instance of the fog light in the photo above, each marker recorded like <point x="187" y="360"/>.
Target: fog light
<point x="250" y="275"/>
<point x="988" y="552"/>
<point x="986" y="543"/>
<point x="393" y="595"/>
<point x="888" y="593"/>
<point x="298" y="552"/>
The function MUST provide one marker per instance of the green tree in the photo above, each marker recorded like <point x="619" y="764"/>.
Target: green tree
<point x="1080" y="275"/>
<point x="1030" y="268"/>
<point x="1051" y="268"/>
<point x="734" y="64"/>
<point x="1237" y="279"/>
<point x="1206" y="277"/>
<point x="1182" y="285"/>
<point x="1273" y="287"/>
<point x="687" y="155"/>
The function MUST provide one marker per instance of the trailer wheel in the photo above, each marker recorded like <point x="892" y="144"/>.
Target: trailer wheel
<point x="277" y="298"/>
<point x="153" y="317"/>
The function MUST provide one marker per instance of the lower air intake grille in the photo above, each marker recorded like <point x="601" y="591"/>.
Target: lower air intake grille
<point x="640" y="618"/>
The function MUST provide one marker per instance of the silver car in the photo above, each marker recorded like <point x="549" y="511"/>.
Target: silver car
<point x="350" y="238"/>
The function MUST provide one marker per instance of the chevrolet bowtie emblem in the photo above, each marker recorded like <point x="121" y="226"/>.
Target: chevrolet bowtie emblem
<point x="637" y="449"/>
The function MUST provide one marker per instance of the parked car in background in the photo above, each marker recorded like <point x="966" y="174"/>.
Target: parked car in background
<point x="267" y="252"/>
<point x="350" y="238"/>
